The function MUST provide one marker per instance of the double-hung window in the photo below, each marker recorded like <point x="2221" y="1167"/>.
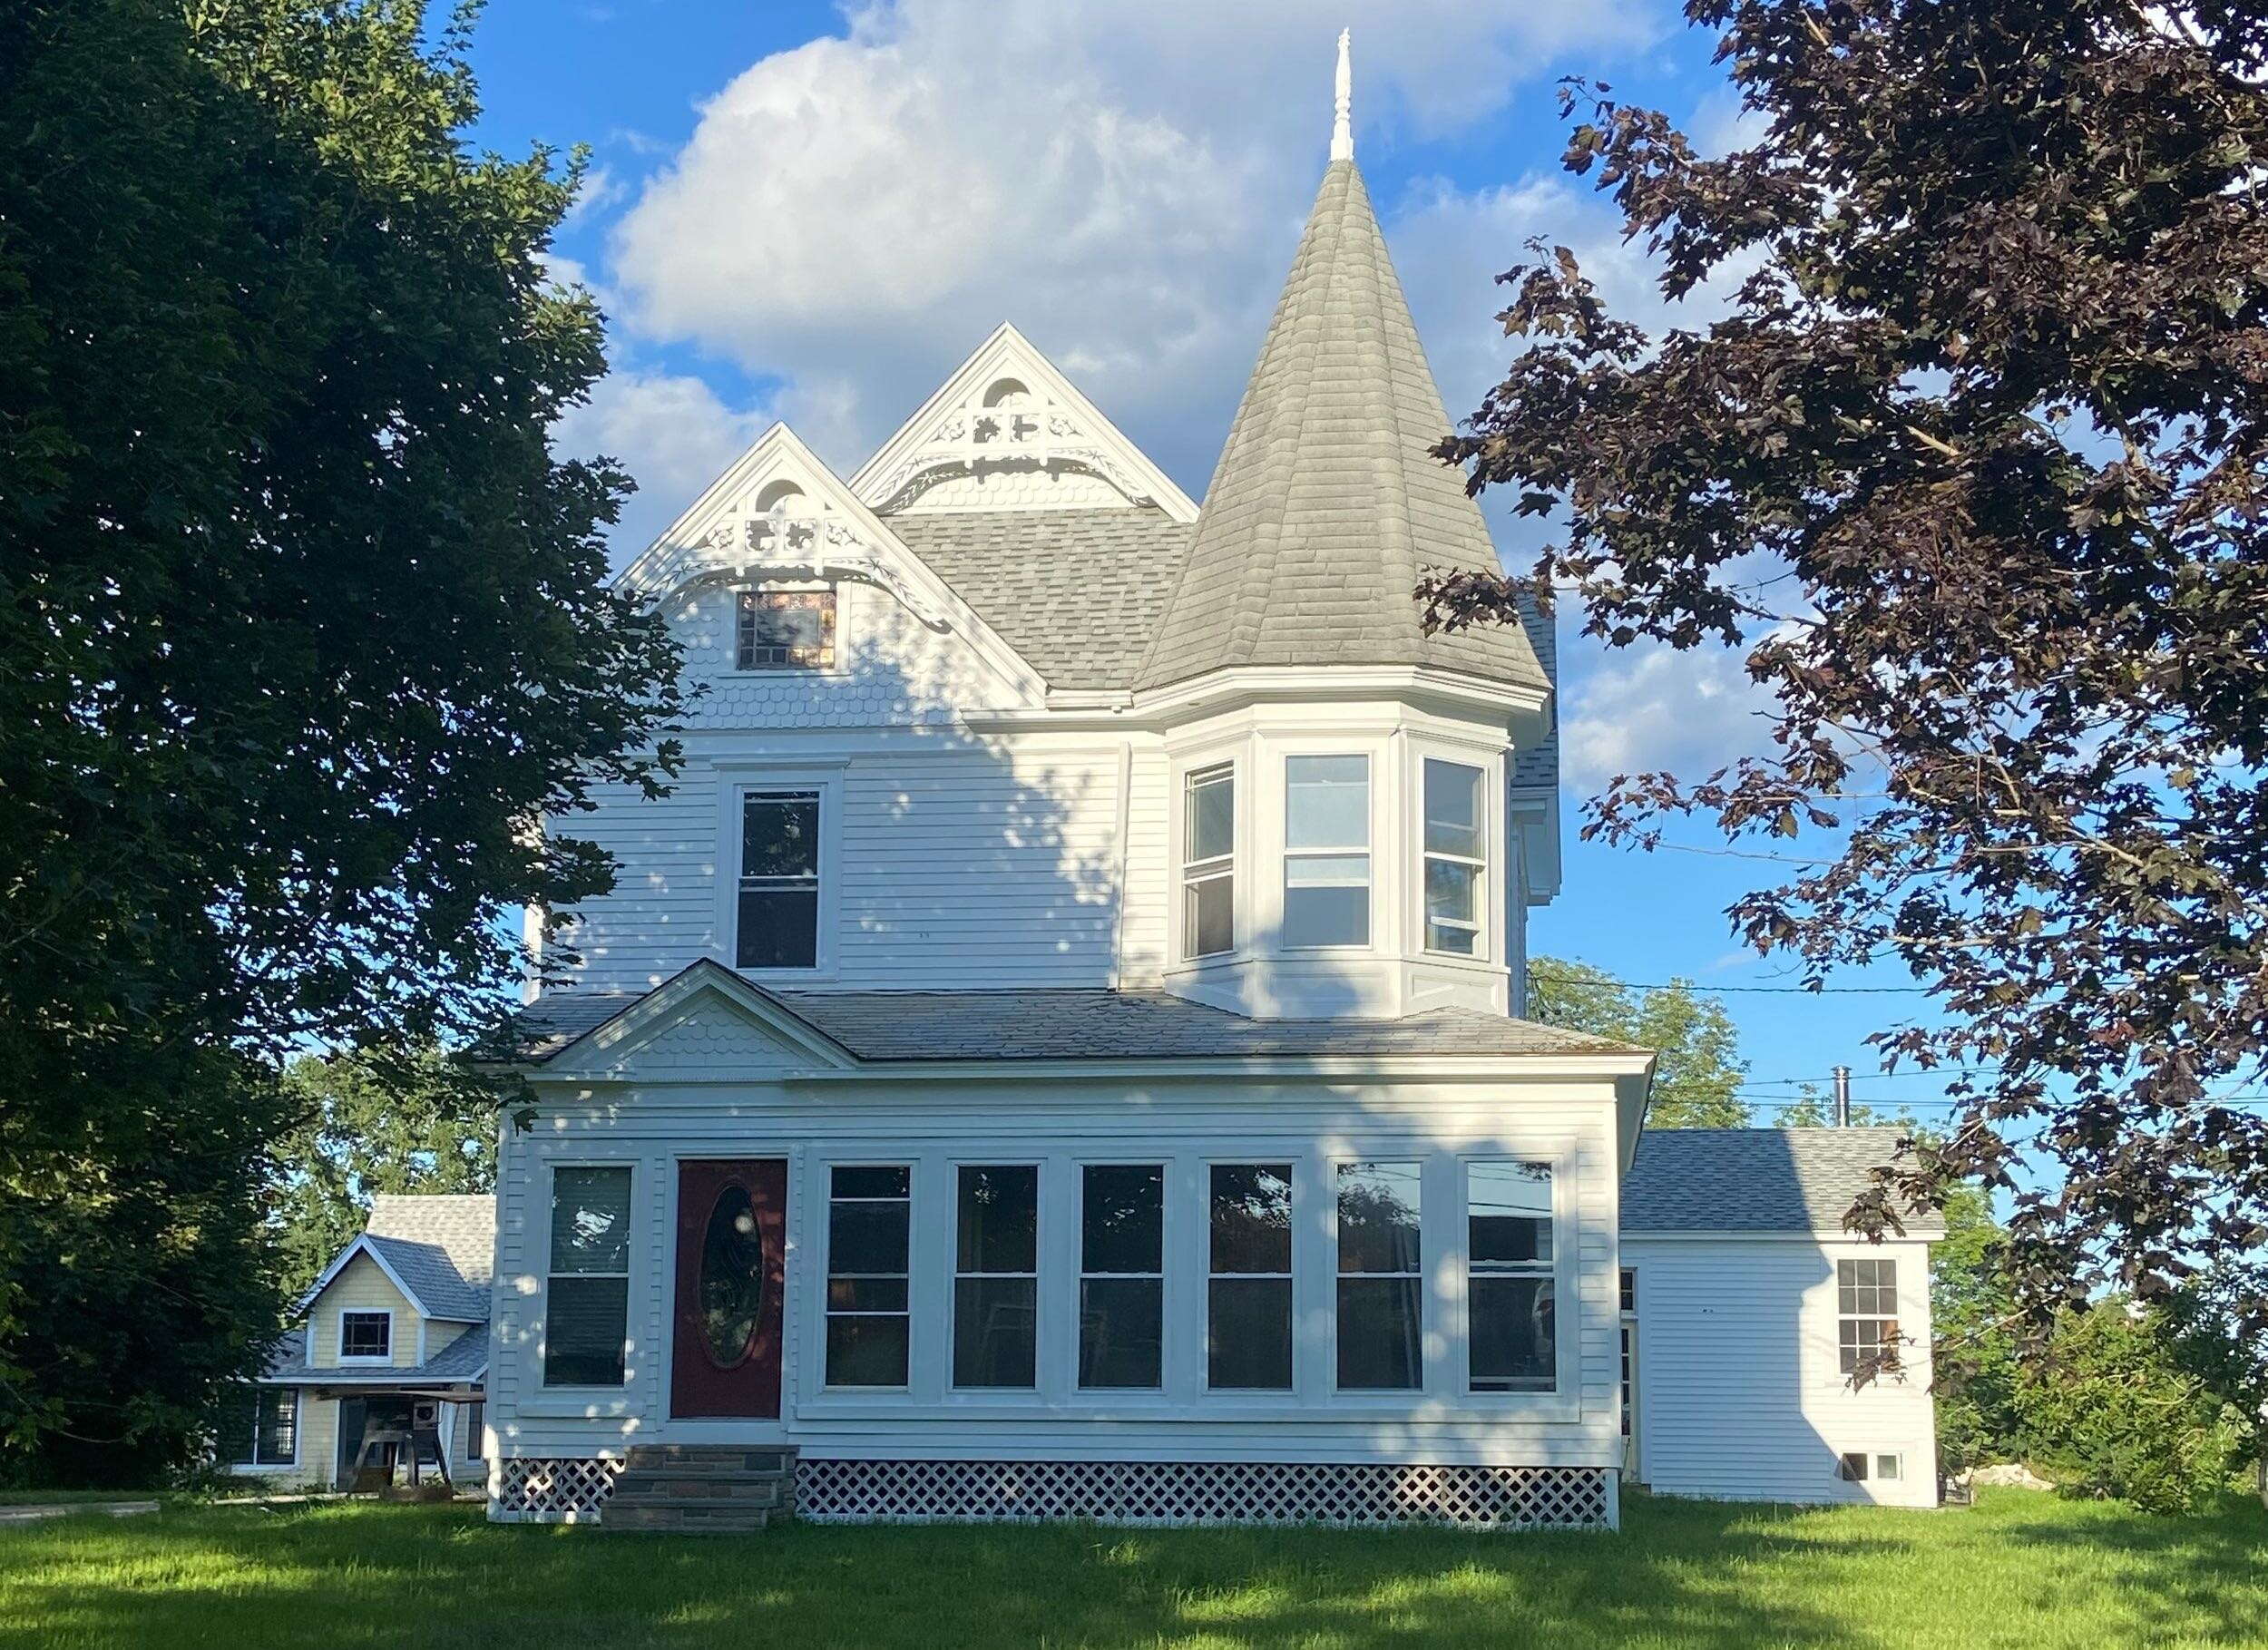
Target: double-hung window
<point x="1248" y="1293"/>
<point x="779" y="923"/>
<point x="263" y="1427"/>
<point x="1121" y="1274"/>
<point x="785" y="631"/>
<point x="1511" y="1339"/>
<point x="1327" y="851"/>
<point x="996" y="1277"/>
<point x="1866" y="1307"/>
<point x="366" y="1337"/>
<point x="586" y="1318"/>
<point x="1456" y="857"/>
<point x="1208" y="863"/>
<point x="1380" y="1279"/>
<point x="867" y="1227"/>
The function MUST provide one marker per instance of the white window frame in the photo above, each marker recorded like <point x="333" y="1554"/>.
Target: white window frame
<point x="832" y="592"/>
<point x="737" y="782"/>
<point x="911" y="1165"/>
<point x="1564" y="1399"/>
<point x="1889" y="1321"/>
<point x="1368" y="849"/>
<point x="1192" y="872"/>
<point x="1335" y="1169"/>
<point x="1041" y="1327"/>
<point x="1163" y="1162"/>
<point x="339" y="1328"/>
<point x="1484" y="892"/>
<point x="251" y="1462"/>
<point x="541" y="1344"/>
<point x="1296" y="1164"/>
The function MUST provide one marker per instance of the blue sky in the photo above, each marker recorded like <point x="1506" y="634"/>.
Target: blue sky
<point x="813" y="213"/>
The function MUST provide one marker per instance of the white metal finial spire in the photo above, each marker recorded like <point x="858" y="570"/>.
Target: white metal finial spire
<point x="1343" y="127"/>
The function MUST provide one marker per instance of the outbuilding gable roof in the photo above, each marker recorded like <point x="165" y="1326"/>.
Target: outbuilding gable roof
<point x="1328" y="503"/>
<point x="464" y="1359"/>
<point x="437" y="1248"/>
<point x="1770" y="1180"/>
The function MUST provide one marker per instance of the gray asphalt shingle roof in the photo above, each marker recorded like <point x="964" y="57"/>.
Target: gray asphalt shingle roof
<point x="1082" y="1023"/>
<point x="1076" y="592"/>
<point x="1755" y="1179"/>
<point x="460" y="1359"/>
<point x="442" y="1246"/>
<point x="1327" y="503"/>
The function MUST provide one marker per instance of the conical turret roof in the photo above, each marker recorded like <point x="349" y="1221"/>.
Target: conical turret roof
<point x="1328" y="506"/>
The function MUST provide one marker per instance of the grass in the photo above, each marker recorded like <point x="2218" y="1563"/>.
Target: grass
<point x="2020" y="1570"/>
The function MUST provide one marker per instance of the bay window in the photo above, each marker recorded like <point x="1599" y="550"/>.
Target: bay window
<point x="1208" y="863"/>
<point x="1382" y="1282"/>
<point x="586" y="1327"/>
<point x="996" y="1277"/>
<point x="1121" y="1274"/>
<point x="1327" y="851"/>
<point x="778" y="925"/>
<point x="1455" y="855"/>
<point x="1511" y="1338"/>
<point x="867" y="1276"/>
<point x="1248" y="1292"/>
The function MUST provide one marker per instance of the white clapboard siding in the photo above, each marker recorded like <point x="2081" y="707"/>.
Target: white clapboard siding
<point x="1741" y="1392"/>
<point x="661" y="1117"/>
<point x="959" y="863"/>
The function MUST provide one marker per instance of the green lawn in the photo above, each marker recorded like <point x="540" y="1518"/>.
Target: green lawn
<point x="2021" y="1569"/>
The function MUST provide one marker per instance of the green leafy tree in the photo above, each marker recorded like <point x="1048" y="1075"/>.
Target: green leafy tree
<point x="365" y="1124"/>
<point x="1973" y="468"/>
<point x="301" y="623"/>
<point x="1976" y="1358"/>
<point x="1697" y="1080"/>
<point x="2114" y="1409"/>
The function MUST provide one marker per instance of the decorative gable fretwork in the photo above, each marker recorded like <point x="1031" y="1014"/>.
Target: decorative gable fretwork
<point x="777" y="547"/>
<point x="1006" y="428"/>
<point x="1007" y="431"/>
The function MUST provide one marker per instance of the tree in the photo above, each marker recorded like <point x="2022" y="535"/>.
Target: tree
<point x="301" y="624"/>
<point x="1697" y="1079"/>
<point x="1973" y="467"/>
<point x="364" y="1124"/>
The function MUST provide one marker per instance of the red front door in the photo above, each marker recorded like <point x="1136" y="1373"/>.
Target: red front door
<point x="732" y="1245"/>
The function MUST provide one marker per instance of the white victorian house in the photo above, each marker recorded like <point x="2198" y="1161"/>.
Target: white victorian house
<point x="1058" y="1049"/>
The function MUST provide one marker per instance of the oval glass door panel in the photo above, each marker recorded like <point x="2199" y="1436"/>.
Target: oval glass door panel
<point x="732" y="1277"/>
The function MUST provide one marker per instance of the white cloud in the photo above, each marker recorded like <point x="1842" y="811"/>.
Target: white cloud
<point x="1124" y="180"/>
<point x="1651" y="709"/>
<point x="672" y="433"/>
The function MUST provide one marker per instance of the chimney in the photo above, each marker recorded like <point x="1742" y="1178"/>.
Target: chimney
<point x="1842" y="1096"/>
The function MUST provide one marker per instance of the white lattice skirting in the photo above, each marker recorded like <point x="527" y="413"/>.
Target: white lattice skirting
<point x="1128" y="1492"/>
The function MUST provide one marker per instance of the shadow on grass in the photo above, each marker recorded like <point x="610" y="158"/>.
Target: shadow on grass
<point x="1714" y="1577"/>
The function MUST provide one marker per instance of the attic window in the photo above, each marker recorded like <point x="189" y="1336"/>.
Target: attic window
<point x="786" y="631"/>
<point x="365" y="1334"/>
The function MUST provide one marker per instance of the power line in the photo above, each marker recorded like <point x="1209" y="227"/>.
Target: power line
<point x="1720" y="990"/>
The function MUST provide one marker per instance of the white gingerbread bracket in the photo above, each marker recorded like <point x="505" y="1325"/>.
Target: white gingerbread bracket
<point x="777" y="548"/>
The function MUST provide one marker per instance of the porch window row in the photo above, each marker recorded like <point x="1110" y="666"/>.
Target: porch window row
<point x="1251" y="1232"/>
<point x="1326" y="894"/>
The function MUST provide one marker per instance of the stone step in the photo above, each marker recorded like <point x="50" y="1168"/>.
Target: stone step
<point x="705" y="1458"/>
<point x="684" y="1520"/>
<point x="635" y="1489"/>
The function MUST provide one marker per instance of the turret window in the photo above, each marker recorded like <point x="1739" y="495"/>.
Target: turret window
<point x="1327" y="851"/>
<point x="1208" y="863"/>
<point x="1456" y="857"/>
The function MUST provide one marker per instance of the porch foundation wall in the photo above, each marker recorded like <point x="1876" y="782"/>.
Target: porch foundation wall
<point x="1125" y="1493"/>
